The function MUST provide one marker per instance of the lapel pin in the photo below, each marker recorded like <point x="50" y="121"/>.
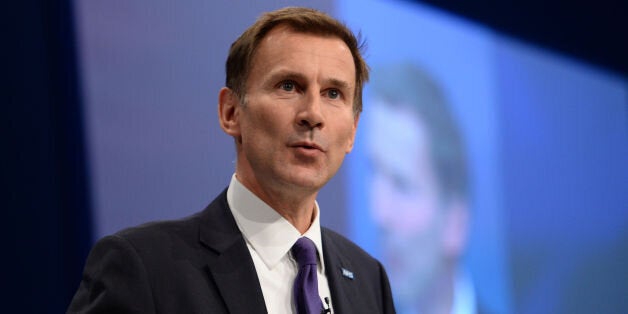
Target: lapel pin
<point x="347" y="273"/>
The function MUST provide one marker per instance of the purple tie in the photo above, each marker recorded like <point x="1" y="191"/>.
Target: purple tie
<point x="306" y="284"/>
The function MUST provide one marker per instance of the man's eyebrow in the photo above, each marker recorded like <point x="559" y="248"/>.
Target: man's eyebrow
<point x="337" y="83"/>
<point x="286" y="75"/>
<point x="299" y="77"/>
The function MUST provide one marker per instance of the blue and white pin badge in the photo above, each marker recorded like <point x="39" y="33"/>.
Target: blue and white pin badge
<point x="347" y="273"/>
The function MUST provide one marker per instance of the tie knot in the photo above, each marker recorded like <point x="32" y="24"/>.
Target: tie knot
<point x="304" y="252"/>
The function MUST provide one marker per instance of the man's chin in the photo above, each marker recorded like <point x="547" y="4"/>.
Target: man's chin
<point x="306" y="178"/>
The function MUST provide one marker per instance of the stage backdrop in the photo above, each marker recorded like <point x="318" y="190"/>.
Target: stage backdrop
<point x="534" y="174"/>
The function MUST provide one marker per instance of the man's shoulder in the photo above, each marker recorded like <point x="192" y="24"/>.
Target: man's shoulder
<point x="175" y="231"/>
<point x="153" y="238"/>
<point x="151" y="231"/>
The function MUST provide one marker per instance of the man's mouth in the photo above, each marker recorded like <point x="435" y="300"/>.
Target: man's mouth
<point x="308" y="145"/>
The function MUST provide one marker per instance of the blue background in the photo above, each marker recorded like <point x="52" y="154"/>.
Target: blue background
<point x="111" y="122"/>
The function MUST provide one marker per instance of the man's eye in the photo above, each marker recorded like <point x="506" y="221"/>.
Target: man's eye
<point x="333" y="94"/>
<point x="287" y="86"/>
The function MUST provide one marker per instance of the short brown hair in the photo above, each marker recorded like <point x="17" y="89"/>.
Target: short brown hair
<point x="298" y="19"/>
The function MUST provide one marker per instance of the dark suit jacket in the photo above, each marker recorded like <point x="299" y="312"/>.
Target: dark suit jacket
<point x="201" y="264"/>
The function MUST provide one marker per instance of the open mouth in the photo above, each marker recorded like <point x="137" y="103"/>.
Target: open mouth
<point x="308" y="146"/>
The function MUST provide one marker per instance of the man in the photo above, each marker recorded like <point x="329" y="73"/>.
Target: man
<point x="418" y="191"/>
<point x="292" y="101"/>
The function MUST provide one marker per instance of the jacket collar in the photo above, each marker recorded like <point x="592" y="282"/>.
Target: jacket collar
<point x="340" y="276"/>
<point x="229" y="262"/>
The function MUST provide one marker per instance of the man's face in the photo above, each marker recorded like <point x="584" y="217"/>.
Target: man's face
<point x="297" y="123"/>
<point x="404" y="197"/>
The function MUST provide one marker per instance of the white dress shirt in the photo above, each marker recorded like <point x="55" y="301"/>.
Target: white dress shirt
<point x="269" y="238"/>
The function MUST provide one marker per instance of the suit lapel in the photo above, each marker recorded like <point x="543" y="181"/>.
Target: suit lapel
<point x="229" y="262"/>
<point x="338" y="269"/>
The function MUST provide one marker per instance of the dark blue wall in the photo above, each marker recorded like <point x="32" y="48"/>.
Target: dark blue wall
<point x="45" y="181"/>
<point x="592" y="31"/>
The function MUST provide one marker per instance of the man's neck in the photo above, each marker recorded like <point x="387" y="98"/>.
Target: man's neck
<point x="297" y="206"/>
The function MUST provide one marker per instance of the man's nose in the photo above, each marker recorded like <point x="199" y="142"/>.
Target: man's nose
<point x="310" y="114"/>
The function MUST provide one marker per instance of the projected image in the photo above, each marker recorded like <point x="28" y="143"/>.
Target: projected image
<point x="418" y="190"/>
<point x="488" y="176"/>
<point x="428" y="126"/>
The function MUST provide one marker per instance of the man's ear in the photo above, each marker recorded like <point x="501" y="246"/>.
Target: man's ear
<point x="353" y="132"/>
<point x="228" y="112"/>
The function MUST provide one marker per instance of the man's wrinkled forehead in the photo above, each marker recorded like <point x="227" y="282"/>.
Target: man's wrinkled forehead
<point x="287" y="28"/>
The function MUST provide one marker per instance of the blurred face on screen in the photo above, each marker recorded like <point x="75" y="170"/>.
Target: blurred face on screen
<point x="405" y="198"/>
<point x="296" y="123"/>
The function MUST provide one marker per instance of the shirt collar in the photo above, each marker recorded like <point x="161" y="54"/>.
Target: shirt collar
<point x="267" y="232"/>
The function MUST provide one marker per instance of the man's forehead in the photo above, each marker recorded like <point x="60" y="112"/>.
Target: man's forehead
<point x="269" y="55"/>
<point x="287" y="28"/>
<point x="288" y="31"/>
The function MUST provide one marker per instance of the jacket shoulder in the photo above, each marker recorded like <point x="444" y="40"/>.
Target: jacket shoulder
<point x="157" y="233"/>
